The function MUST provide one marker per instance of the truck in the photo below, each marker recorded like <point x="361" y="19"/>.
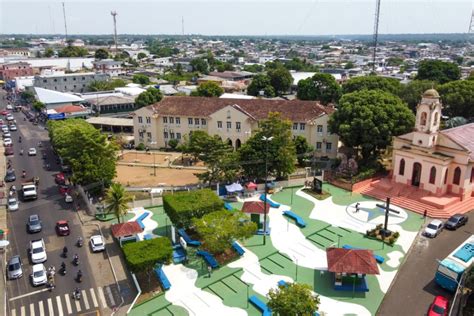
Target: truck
<point x="28" y="190"/>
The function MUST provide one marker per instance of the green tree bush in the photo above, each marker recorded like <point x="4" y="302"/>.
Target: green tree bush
<point x="150" y="96"/>
<point x="293" y="299"/>
<point x="261" y="82"/>
<point x="208" y="89"/>
<point x="321" y="87"/>
<point x="141" y="79"/>
<point x="439" y="71"/>
<point x="101" y="53"/>
<point x="117" y="200"/>
<point x="458" y="98"/>
<point x="372" y="83"/>
<point x="142" y="256"/>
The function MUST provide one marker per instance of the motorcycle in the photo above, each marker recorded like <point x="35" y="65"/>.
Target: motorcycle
<point x="63" y="268"/>
<point x="23" y="174"/>
<point x="75" y="261"/>
<point x="79" y="276"/>
<point x="80" y="242"/>
<point x="65" y="252"/>
<point x="76" y="294"/>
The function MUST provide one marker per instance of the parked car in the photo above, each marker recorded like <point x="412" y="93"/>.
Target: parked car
<point x="10" y="117"/>
<point x="7" y="142"/>
<point x="456" y="221"/>
<point x="97" y="243"/>
<point x="9" y="107"/>
<point x="10" y="175"/>
<point x="39" y="276"/>
<point x="34" y="224"/>
<point x="64" y="189"/>
<point x="439" y="307"/>
<point x="434" y="228"/>
<point x="9" y="151"/>
<point x="12" y="204"/>
<point x="32" y="152"/>
<point x="13" y="128"/>
<point x="59" y="178"/>
<point x="5" y="129"/>
<point x="7" y="135"/>
<point x="4" y="112"/>
<point x="14" y="268"/>
<point x="38" y="251"/>
<point x="62" y="228"/>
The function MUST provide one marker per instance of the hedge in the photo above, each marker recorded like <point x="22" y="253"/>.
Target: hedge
<point x="143" y="255"/>
<point x="182" y="207"/>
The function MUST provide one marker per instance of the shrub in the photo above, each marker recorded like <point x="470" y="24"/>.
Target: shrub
<point x="143" y="255"/>
<point x="140" y="146"/>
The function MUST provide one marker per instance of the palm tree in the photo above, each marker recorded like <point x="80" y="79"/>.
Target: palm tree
<point x="117" y="200"/>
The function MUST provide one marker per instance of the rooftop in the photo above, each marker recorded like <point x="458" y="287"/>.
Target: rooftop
<point x="254" y="207"/>
<point x="47" y="96"/>
<point x="125" y="229"/>
<point x="463" y="136"/>
<point x="351" y="261"/>
<point x="112" y="121"/>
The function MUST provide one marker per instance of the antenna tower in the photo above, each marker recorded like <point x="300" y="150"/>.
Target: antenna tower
<point x="376" y="32"/>
<point x="114" y="15"/>
<point x="470" y="32"/>
<point x="65" y="23"/>
<point x="182" y="25"/>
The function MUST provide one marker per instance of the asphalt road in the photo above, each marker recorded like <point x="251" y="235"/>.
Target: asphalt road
<point x="22" y="297"/>
<point x="414" y="288"/>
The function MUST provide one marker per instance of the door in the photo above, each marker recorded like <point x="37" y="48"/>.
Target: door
<point x="256" y="219"/>
<point x="416" y="175"/>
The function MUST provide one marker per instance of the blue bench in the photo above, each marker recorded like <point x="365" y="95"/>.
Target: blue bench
<point x="260" y="305"/>
<point x="281" y="283"/>
<point x="140" y="219"/>
<point x="208" y="258"/>
<point x="299" y="221"/>
<point x="188" y="239"/>
<point x="160" y="274"/>
<point x="378" y="258"/>
<point x="148" y="237"/>
<point x="228" y="207"/>
<point x="271" y="203"/>
<point x="237" y="248"/>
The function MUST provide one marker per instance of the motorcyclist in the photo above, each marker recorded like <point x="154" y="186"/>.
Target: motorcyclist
<point x="80" y="242"/>
<point x="19" y="139"/>
<point x="63" y="266"/>
<point x="23" y="174"/>
<point x="79" y="276"/>
<point x="21" y="151"/>
<point x="77" y="293"/>
<point x="76" y="259"/>
<point x="65" y="251"/>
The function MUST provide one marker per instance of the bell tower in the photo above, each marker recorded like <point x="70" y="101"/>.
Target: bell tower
<point x="428" y="116"/>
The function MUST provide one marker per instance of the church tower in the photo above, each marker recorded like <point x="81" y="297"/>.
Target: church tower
<point x="428" y="116"/>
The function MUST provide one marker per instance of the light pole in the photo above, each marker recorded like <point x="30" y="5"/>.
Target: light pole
<point x="266" y="140"/>
<point x="154" y="157"/>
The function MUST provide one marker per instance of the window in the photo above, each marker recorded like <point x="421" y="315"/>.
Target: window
<point x="435" y="121"/>
<point x="320" y="129"/>
<point x="148" y="134"/>
<point x="446" y="176"/>
<point x="172" y="135"/>
<point x="140" y="134"/>
<point x="203" y="122"/>
<point x="165" y="119"/>
<point x="423" y="118"/>
<point x="148" y="120"/>
<point x="319" y="145"/>
<point x="229" y="124"/>
<point x="237" y="125"/>
<point x="140" y="119"/>
<point x="457" y="176"/>
<point x="328" y="146"/>
<point x="472" y="175"/>
<point x="178" y="120"/>
<point x="295" y="126"/>
<point x="401" y="168"/>
<point x="171" y="120"/>
<point x="65" y="79"/>
<point x="165" y="135"/>
<point x="44" y="80"/>
<point x="302" y="126"/>
<point x="196" y="121"/>
<point x="55" y="80"/>
<point x="219" y="124"/>
<point x="178" y="135"/>
<point x="190" y="121"/>
<point x="74" y="78"/>
<point x="83" y="78"/>
<point x="433" y="175"/>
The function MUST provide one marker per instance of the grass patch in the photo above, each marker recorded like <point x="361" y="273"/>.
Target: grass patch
<point x="324" y="195"/>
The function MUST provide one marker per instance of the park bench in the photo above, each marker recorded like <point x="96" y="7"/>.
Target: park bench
<point x="377" y="258"/>
<point x="160" y="274"/>
<point x="271" y="203"/>
<point x="140" y="219"/>
<point x="228" y="207"/>
<point x="237" y="248"/>
<point x="299" y="221"/>
<point x="187" y="239"/>
<point x="211" y="261"/>
<point x="260" y="305"/>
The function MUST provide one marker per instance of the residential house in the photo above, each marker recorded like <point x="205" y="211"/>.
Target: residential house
<point x="9" y="71"/>
<point x="108" y="66"/>
<point x="75" y="82"/>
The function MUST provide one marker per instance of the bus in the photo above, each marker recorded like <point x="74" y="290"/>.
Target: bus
<point x="451" y="269"/>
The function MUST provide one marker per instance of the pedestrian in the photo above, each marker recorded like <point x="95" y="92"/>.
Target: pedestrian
<point x="209" y="270"/>
<point x="357" y="207"/>
<point x="424" y="213"/>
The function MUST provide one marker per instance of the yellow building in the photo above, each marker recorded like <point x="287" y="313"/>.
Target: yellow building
<point x="234" y="120"/>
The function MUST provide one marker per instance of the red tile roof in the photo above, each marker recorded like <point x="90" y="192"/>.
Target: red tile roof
<point x="69" y="109"/>
<point x="125" y="229"/>
<point x="294" y="110"/>
<point x="351" y="261"/>
<point x="462" y="135"/>
<point x="254" y="207"/>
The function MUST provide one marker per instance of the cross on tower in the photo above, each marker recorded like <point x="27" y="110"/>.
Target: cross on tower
<point x="385" y="232"/>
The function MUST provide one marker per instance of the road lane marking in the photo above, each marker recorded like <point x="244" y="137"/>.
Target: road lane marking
<point x="110" y="295"/>
<point x="22" y="311"/>
<point x="41" y="308"/>
<point x="102" y="300"/>
<point x="50" y="307"/>
<point x="13" y="312"/>
<point x="86" y="301"/>
<point x="32" y="309"/>
<point x="78" y="305"/>
<point x="27" y="294"/>
<point x="94" y="298"/>
<point x="68" y="303"/>
<point x="60" y="305"/>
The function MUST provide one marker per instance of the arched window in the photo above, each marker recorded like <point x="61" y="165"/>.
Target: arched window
<point x="457" y="176"/>
<point x="472" y="174"/>
<point x="435" y="121"/>
<point x="423" y="119"/>
<point x="445" y="177"/>
<point x="433" y="175"/>
<point x="401" y="169"/>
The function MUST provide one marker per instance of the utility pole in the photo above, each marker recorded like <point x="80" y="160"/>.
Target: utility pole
<point x="182" y="25"/>
<point x="470" y="32"/>
<point x="376" y="32"/>
<point x="65" y="23"/>
<point x="114" y="15"/>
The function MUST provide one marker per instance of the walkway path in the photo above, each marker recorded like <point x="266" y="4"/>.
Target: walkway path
<point x="149" y="223"/>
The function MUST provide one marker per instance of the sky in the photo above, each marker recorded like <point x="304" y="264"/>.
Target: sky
<point x="235" y="17"/>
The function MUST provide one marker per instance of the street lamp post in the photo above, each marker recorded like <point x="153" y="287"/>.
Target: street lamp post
<point x="266" y="140"/>
<point x="154" y="162"/>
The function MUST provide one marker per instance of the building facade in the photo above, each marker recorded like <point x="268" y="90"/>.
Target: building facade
<point x="440" y="162"/>
<point x="75" y="82"/>
<point x="9" y="71"/>
<point x="108" y="66"/>
<point x="233" y="120"/>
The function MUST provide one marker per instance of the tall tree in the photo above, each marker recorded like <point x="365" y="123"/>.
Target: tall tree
<point x="367" y="120"/>
<point x="73" y="51"/>
<point x="302" y="148"/>
<point x="208" y="89"/>
<point x="280" y="79"/>
<point x="411" y="92"/>
<point x="150" y="96"/>
<point x="321" y="87"/>
<point x="439" y="71"/>
<point x="279" y="151"/>
<point x="106" y="85"/>
<point x="141" y="55"/>
<point x="293" y="299"/>
<point x="201" y="65"/>
<point x="372" y="83"/>
<point x="101" y="53"/>
<point x="261" y="82"/>
<point x="49" y="52"/>
<point x="141" y="79"/>
<point x="117" y="200"/>
<point x="458" y="98"/>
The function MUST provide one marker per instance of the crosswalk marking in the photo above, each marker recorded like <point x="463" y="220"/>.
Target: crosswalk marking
<point x="102" y="297"/>
<point x="68" y="304"/>
<point x="60" y="305"/>
<point x="50" y="307"/>
<point x="41" y="308"/>
<point x="32" y="309"/>
<point x="109" y="294"/>
<point x="22" y="311"/>
<point x="13" y="312"/>
<point x="78" y="305"/>
<point x="86" y="301"/>
<point x="94" y="298"/>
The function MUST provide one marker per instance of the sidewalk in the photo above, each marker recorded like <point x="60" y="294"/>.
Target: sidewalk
<point x="3" y="226"/>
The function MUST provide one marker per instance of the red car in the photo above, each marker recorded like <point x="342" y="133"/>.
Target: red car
<point x="439" y="306"/>
<point x="62" y="228"/>
<point x="9" y="151"/>
<point x="4" y="112"/>
<point x="64" y="189"/>
<point x="60" y="178"/>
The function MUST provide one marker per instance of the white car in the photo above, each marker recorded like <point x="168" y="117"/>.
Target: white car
<point x="12" y="204"/>
<point x="13" y="128"/>
<point x="38" y="251"/>
<point x="10" y="117"/>
<point x="7" y="135"/>
<point x="5" y="129"/>
<point x="32" y="152"/>
<point x="9" y="107"/>
<point x="434" y="228"/>
<point x="39" y="276"/>
<point x="97" y="243"/>
<point x="7" y="141"/>
<point x="68" y="198"/>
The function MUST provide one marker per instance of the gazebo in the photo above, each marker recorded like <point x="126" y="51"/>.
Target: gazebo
<point x="349" y="268"/>
<point x="126" y="231"/>
<point x="256" y="209"/>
